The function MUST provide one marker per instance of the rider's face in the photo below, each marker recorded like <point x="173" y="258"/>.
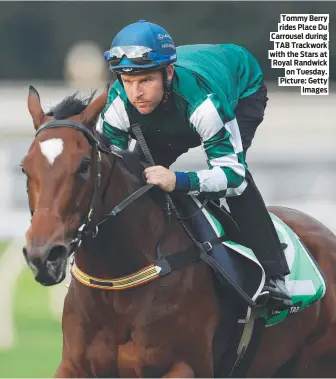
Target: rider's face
<point x="145" y="91"/>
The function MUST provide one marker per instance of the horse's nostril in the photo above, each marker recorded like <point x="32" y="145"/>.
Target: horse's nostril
<point x="56" y="252"/>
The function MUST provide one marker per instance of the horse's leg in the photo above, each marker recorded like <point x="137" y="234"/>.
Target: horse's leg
<point x="180" y="370"/>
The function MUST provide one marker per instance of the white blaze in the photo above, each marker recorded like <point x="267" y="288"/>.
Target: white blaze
<point x="52" y="148"/>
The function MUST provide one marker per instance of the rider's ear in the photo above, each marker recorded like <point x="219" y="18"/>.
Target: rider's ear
<point x="90" y="114"/>
<point x="170" y="73"/>
<point x="34" y="106"/>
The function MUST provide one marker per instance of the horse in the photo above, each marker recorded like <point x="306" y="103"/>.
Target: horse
<point x="143" y="324"/>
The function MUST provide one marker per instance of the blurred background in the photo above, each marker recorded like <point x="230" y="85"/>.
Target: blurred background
<point x="58" y="47"/>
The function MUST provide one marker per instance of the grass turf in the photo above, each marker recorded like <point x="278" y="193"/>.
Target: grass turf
<point x="37" y="351"/>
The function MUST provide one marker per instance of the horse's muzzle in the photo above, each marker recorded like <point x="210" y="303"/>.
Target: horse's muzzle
<point x="48" y="264"/>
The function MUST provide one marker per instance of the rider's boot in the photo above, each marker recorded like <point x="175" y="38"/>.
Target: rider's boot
<point x="278" y="292"/>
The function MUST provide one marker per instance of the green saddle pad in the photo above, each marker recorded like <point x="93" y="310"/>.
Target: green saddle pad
<point x="305" y="283"/>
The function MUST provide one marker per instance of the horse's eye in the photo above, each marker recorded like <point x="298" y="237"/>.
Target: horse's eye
<point x="84" y="167"/>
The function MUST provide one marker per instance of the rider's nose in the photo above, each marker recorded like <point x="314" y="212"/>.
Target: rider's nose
<point x="138" y="92"/>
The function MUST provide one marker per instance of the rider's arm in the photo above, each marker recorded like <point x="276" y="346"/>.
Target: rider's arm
<point x="113" y="122"/>
<point x="217" y="126"/>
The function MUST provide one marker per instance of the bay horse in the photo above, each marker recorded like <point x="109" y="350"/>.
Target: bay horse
<point x="157" y="326"/>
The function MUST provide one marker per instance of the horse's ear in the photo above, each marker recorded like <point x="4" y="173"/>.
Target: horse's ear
<point x="34" y="106"/>
<point x="90" y="114"/>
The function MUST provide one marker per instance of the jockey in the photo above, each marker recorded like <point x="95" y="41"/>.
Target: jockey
<point x="209" y="95"/>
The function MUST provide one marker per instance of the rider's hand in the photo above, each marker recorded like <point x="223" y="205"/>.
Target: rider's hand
<point x="161" y="177"/>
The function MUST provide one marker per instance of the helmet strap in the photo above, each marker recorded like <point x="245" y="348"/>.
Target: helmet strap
<point x="167" y="86"/>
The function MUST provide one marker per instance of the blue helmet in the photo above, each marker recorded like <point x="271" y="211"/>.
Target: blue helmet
<point x="139" y="47"/>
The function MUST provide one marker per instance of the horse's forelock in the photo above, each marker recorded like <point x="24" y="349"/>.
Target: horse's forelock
<point x="70" y="106"/>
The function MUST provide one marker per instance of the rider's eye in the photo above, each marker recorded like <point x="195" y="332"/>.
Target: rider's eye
<point x="84" y="167"/>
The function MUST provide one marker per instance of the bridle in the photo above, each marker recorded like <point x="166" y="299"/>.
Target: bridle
<point x="89" y="225"/>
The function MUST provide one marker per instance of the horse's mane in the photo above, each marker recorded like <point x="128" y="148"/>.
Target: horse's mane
<point x="70" y="106"/>
<point x="73" y="105"/>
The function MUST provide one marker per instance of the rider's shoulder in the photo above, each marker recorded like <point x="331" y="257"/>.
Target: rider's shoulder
<point x="187" y="86"/>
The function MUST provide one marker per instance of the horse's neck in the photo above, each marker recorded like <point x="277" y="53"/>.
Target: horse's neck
<point x="127" y="242"/>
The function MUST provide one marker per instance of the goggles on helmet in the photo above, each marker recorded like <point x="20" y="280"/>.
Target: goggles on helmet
<point x="138" y="55"/>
